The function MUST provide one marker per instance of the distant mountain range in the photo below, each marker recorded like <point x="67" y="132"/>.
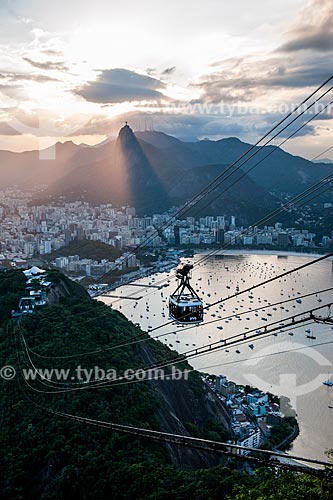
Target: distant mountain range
<point x="153" y="171"/>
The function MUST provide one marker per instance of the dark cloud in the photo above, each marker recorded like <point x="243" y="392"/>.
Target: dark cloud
<point x="245" y="127"/>
<point x="15" y="77"/>
<point x="216" y="90"/>
<point x="314" y="29"/>
<point x="325" y="115"/>
<point x="303" y="60"/>
<point x="190" y="127"/>
<point x="169" y="71"/>
<point x="120" y="85"/>
<point x="47" y="65"/>
<point x="53" y="52"/>
<point x="322" y="42"/>
<point x="193" y="127"/>
<point x="250" y="81"/>
<point x="151" y="71"/>
<point x="186" y="126"/>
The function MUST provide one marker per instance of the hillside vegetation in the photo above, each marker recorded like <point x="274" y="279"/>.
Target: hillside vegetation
<point x="87" y="249"/>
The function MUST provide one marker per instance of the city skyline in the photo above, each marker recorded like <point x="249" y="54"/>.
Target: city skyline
<point x="30" y="231"/>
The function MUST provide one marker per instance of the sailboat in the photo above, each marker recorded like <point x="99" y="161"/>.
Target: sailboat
<point x="328" y="382"/>
<point x="330" y="403"/>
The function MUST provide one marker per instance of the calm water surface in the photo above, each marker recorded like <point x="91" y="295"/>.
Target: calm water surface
<point x="292" y="366"/>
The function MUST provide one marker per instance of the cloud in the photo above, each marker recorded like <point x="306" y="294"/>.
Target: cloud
<point x="13" y="84"/>
<point x="8" y="125"/>
<point x="38" y="122"/>
<point x="313" y="30"/>
<point x="47" y="65"/>
<point x="99" y="125"/>
<point x="253" y="79"/>
<point x="184" y="127"/>
<point x="121" y="85"/>
<point x="169" y="71"/>
<point x="6" y="129"/>
<point x="9" y="90"/>
<point x="193" y="126"/>
<point x="301" y="61"/>
<point x="15" y="77"/>
<point x="53" y="52"/>
<point x="317" y="40"/>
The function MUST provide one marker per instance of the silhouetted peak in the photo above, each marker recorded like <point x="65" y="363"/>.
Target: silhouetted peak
<point x="126" y="135"/>
<point x="125" y="128"/>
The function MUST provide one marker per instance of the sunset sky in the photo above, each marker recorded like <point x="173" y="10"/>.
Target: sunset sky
<point x="75" y="70"/>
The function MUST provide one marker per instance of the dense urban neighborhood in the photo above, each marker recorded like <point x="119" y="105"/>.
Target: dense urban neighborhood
<point x="31" y="230"/>
<point x="255" y="415"/>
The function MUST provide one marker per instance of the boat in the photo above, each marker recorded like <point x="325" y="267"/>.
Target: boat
<point x="328" y="382"/>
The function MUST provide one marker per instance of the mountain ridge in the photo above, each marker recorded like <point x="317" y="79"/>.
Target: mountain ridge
<point x="151" y="170"/>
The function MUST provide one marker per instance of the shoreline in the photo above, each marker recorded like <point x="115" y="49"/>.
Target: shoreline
<point x="145" y="273"/>
<point x="282" y="253"/>
<point x="287" y="442"/>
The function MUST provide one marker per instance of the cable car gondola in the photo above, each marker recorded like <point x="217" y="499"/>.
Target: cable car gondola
<point x="185" y="305"/>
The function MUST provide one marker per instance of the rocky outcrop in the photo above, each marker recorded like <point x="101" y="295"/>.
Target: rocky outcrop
<point x="65" y="288"/>
<point x="181" y="406"/>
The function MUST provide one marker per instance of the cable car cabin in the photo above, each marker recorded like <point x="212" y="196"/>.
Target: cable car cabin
<point x="186" y="310"/>
<point x="185" y="305"/>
